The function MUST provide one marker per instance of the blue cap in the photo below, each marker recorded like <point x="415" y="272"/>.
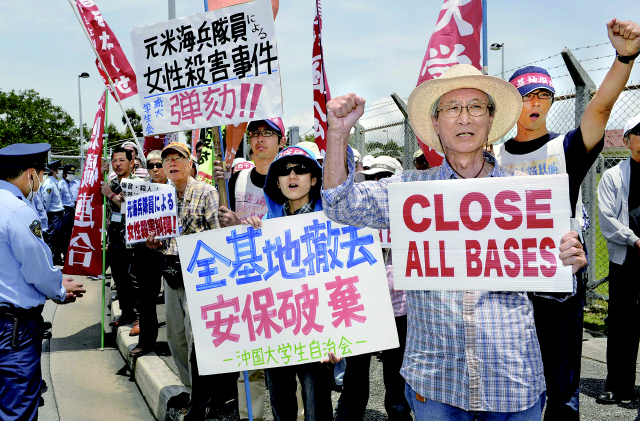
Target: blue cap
<point x="530" y="78"/>
<point x="54" y="164"/>
<point x="24" y="155"/>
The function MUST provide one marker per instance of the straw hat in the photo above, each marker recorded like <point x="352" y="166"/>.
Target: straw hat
<point x="507" y="99"/>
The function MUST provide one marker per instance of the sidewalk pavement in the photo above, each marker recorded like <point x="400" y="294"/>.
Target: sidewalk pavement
<point x="86" y="383"/>
<point x="156" y="376"/>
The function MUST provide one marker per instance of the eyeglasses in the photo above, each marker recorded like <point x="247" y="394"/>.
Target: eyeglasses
<point x="298" y="170"/>
<point x="264" y="133"/>
<point x="176" y="159"/>
<point x="476" y="109"/>
<point x="151" y="166"/>
<point x="540" y="94"/>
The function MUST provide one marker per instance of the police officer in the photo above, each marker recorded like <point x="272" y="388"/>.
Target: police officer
<point x="27" y="278"/>
<point x="74" y="183"/>
<point x="55" y="211"/>
<point x="69" y="207"/>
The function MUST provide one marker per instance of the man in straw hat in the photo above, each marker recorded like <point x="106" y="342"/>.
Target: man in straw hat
<point x="490" y="364"/>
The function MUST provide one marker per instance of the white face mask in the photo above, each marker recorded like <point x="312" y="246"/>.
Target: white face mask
<point x="70" y="177"/>
<point x="32" y="187"/>
<point x="59" y="174"/>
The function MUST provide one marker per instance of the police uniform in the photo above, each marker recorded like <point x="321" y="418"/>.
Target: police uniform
<point x="55" y="213"/>
<point x="27" y="278"/>
<point x="69" y="209"/>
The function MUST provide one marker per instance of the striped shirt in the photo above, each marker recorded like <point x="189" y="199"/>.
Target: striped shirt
<point x="475" y="350"/>
<point x="197" y="212"/>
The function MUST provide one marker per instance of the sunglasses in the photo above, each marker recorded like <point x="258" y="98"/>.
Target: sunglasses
<point x="151" y="166"/>
<point x="378" y="176"/>
<point x="635" y="131"/>
<point x="298" y="170"/>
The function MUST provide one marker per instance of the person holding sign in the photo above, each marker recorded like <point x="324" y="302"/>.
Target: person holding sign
<point x="292" y="187"/>
<point x="536" y="151"/>
<point x="120" y="256"/>
<point x="197" y="204"/>
<point x="619" y="211"/>
<point x="467" y="352"/>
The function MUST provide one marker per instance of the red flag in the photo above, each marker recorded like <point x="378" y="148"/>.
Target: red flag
<point x="153" y="143"/>
<point x="456" y="40"/>
<point x="321" y="93"/>
<point x="106" y="44"/>
<point x="84" y="256"/>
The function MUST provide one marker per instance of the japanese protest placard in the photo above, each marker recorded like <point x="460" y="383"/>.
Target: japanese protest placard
<point x="285" y="294"/>
<point x="385" y="238"/>
<point x="491" y="234"/>
<point x="209" y="69"/>
<point x="154" y="211"/>
<point x="84" y="255"/>
<point x="133" y="187"/>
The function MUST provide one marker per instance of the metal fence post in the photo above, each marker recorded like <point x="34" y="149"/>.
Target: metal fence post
<point x="358" y="139"/>
<point x="294" y="135"/>
<point x="584" y="87"/>
<point x="410" y="141"/>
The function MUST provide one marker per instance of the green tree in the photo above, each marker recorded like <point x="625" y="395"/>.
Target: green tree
<point x="136" y="122"/>
<point x="27" y="117"/>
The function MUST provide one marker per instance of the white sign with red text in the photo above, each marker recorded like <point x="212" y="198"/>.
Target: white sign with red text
<point x="490" y="234"/>
<point x="209" y="69"/>
<point x="285" y="294"/>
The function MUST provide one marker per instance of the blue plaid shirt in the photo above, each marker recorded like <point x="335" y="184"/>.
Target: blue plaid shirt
<point x="475" y="350"/>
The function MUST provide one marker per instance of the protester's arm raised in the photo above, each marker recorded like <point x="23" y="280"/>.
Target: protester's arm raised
<point x="342" y="114"/>
<point x="625" y="38"/>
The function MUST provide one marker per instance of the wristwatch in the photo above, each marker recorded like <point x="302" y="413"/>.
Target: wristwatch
<point x="111" y="196"/>
<point x="627" y="59"/>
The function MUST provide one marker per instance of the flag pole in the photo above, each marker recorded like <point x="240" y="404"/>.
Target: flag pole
<point x="113" y="89"/>
<point x="105" y="136"/>
<point x="485" y="54"/>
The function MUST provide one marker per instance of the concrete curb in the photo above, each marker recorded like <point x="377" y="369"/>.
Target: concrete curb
<point x="156" y="381"/>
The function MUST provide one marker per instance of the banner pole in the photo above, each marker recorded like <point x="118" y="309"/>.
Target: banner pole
<point x="104" y="218"/>
<point x="247" y="392"/>
<point x="104" y="68"/>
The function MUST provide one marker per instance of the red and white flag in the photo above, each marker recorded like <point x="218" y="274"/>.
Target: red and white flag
<point x="84" y="256"/>
<point x="108" y="48"/>
<point x="455" y="40"/>
<point x="321" y="93"/>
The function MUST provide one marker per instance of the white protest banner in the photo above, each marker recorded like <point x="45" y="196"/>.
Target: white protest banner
<point x="385" y="238"/>
<point x="209" y="69"/>
<point x="285" y="294"/>
<point x="490" y="234"/>
<point x="154" y="211"/>
<point x="134" y="187"/>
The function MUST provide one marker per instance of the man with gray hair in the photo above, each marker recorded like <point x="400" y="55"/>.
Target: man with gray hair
<point x="468" y="354"/>
<point x="619" y="211"/>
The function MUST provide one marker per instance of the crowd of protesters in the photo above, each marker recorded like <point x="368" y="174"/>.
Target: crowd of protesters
<point x="462" y="354"/>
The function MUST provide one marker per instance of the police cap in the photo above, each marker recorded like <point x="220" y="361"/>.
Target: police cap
<point x="70" y="168"/>
<point x="54" y="164"/>
<point x="24" y="155"/>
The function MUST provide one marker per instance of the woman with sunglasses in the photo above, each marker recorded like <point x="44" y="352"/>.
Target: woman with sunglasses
<point x="292" y="187"/>
<point x="154" y="167"/>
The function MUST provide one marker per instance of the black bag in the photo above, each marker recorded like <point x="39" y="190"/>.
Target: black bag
<point x="172" y="272"/>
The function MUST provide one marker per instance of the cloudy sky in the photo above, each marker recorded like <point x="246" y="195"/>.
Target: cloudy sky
<point x="371" y="47"/>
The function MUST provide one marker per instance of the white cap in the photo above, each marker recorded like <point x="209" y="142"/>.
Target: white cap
<point x="356" y="154"/>
<point x="631" y="124"/>
<point x="380" y="164"/>
<point x="237" y="161"/>
<point x="367" y="160"/>
<point x="312" y="147"/>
